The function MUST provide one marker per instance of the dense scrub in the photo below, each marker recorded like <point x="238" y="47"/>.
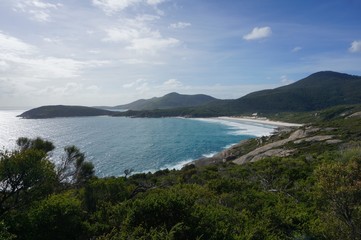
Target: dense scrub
<point x="315" y="194"/>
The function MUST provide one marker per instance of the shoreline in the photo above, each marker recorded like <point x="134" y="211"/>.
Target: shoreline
<point x="245" y="120"/>
<point x="260" y="121"/>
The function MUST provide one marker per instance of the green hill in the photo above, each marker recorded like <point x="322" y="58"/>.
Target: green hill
<point x="315" y="92"/>
<point x="171" y="100"/>
<point x="54" y="111"/>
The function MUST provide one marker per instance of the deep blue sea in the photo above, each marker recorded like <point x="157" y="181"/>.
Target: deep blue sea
<point x="114" y="144"/>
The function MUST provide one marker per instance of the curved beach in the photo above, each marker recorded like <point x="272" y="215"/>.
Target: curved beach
<point x="259" y="121"/>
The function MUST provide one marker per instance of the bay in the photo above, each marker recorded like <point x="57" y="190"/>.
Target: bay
<point x="143" y="144"/>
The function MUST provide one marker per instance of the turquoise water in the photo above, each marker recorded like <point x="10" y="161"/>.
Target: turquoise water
<point x="142" y="144"/>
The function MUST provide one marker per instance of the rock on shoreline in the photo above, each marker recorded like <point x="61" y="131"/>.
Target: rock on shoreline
<point x="252" y="150"/>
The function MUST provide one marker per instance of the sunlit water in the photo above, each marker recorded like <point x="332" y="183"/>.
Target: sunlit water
<point x="114" y="144"/>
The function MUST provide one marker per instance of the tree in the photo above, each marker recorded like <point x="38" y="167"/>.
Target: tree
<point x="339" y="183"/>
<point x="73" y="168"/>
<point x="28" y="175"/>
<point x="127" y="172"/>
<point x="25" y="176"/>
<point x="37" y="143"/>
<point x="4" y="233"/>
<point x="59" y="216"/>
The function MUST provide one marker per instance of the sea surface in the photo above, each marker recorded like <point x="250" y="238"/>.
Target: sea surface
<point x="115" y="144"/>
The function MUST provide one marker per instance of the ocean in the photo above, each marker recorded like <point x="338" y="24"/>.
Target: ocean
<point x="114" y="144"/>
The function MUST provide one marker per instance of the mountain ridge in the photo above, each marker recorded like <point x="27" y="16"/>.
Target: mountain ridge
<point x="170" y="100"/>
<point x="314" y="92"/>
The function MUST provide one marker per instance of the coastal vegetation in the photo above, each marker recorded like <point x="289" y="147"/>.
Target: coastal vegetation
<point x="312" y="193"/>
<point x="299" y="183"/>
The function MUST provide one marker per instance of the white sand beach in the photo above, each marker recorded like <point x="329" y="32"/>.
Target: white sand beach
<point x="260" y="121"/>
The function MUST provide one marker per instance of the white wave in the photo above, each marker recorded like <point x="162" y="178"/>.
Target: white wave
<point x="208" y="155"/>
<point x="229" y="145"/>
<point x="177" y="166"/>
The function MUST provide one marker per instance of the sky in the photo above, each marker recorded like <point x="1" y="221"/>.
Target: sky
<point x="111" y="52"/>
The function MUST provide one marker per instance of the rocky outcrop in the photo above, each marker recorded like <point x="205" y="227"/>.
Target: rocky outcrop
<point x="278" y="152"/>
<point x="278" y="149"/>
<point x="356" y="114"/>
<point x="282" y="144"/>
<point x="315" y="139"/>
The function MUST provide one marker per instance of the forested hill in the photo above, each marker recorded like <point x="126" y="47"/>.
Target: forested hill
<point x="63" y="111"/>
<point x="315" y="92"/>
<point x="171" y="100"/>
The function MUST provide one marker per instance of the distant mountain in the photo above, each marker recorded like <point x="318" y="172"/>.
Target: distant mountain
<point x="171" y="100"/>
<point x="63" y="111"/>
<point x="317" y="91"/>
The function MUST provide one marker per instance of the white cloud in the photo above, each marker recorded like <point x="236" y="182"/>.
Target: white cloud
<point x="38" y="10"/>
<point x="40" y="16"/>
<point x="355" y="46"/>
<point x="136" y="84"/>
<point x="112" y="6"/>
<point x="93" y="88"/>
<point x="152" y="45"/>
<point x="258" y="33"/>
<point x="180" y="25"/>
<point x="150" y="89"/>
<point x="94" y="51"/>
<point x="172" y="84"/>
<point x="20" y="60"/>
<point x="130" y="29"/>
<point x="137" y="61"/>
<point x="285" y="80"/>
<point x="7" y="87"/>
<point x="140" y="85"/>
<point x="69" y="89"/>
<point x="123" y="34"/>
<point x="52" y="40"/>
<point x="128" y="85"/>
<point x="137" y="35"/>
<point x="154" y="2"/>
<point x="12" y="45"/>
<point x="42" y="5"/>
<point x="4" y="65"/>
<point x="66" y="90"/>
<point x="296" y="49"/>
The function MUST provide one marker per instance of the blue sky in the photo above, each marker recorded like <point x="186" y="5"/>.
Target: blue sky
<point x="109" y="52"/>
